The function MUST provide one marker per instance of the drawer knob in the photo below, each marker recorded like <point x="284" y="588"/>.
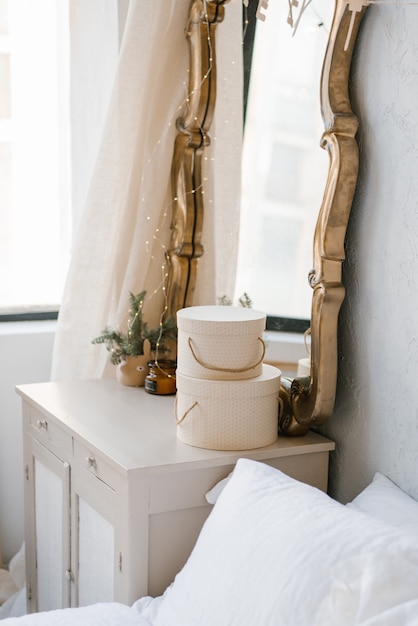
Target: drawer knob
<point x="41" y="424"/>
<point x="91" y="462"/>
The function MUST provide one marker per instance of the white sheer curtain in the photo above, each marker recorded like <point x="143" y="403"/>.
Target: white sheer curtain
<point x="126" y="220"/>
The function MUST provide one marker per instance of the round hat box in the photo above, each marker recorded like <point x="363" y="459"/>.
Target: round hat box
<point x="220" y="342"/>
<point x="228" y="415"/>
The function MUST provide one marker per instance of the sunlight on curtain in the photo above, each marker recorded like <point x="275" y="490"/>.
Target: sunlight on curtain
<point x="125" y="224"/>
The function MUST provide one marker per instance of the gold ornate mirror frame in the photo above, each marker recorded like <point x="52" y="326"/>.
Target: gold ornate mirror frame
<point x="305" y="401"/>
<point x="310" y="400"/>
<point x="193" y="137"/>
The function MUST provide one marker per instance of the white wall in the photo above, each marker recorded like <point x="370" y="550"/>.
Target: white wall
<point x="375" y="423"/>
<point x="25" y="349"/>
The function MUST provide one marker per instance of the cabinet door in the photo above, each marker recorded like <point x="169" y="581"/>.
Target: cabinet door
<point x="96" y="547"/>
<point x="47" y="510"/>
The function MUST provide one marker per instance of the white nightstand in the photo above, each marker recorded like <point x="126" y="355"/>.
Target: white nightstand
<point x="114" y="501"/>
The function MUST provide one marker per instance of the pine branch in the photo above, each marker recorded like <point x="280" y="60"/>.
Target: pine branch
<point x="131" y="343"/>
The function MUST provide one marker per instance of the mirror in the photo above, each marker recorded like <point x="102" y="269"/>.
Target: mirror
<point x="283" y="170"/>
<point x="304" y="401"/>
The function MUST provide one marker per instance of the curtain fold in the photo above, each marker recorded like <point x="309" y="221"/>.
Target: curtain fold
<point x="125" y="226"/>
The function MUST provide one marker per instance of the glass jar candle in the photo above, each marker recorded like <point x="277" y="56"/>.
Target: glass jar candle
<point x="161" y="379"/>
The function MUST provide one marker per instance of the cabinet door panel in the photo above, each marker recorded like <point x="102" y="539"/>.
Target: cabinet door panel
<point x="49" y="484"/>
<point x="96" y="546"/>
<point x="96" y="543"/>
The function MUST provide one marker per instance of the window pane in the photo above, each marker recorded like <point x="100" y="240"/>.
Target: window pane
<point x="284" y="168"/>
<point x="34" y="155"/>
<point x="4" y="17"/>
<point x="4" y="86"/>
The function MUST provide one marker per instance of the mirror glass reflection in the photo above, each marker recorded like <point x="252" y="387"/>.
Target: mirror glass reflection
<point x="284" y="168"/>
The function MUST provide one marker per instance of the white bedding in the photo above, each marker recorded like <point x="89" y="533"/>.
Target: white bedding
<point x="101" y="614"/>
<point x="376" y="589"/>
<point x="276" y="552"/>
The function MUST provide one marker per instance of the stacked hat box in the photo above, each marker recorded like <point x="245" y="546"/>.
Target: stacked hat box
<point x="227" y="398"/>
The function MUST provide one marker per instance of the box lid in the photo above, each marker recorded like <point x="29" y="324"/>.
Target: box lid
<point x="221" y="320"/>
<point x="268" y="382"/>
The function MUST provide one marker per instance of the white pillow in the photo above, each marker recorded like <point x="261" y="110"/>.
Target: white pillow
<point x="383" y="500"/>
<point x="376" y="589"/>
<point x="213" y="494"/>
<point x="266" y="553"/>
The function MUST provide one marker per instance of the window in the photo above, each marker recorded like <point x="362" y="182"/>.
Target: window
<point x="284" y="169"/>
<point x="34" y="155"/>
<point x="57" y="62"/>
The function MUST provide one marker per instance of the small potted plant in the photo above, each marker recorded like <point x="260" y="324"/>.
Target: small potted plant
<point x="130" y="351"/>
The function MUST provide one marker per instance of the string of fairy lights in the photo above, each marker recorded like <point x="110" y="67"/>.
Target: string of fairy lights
<point x="181" y="110"/>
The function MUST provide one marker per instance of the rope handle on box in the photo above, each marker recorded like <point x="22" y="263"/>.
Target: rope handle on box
<point x="229" y="369"/>
<point x="195" y="403"/>
<point x="185" y="414"/>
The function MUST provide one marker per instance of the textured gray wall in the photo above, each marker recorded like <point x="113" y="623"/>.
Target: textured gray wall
<point x="375" y="422"/>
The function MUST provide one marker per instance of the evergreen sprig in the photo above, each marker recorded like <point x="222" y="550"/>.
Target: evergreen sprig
<point x="131" y="343"/>
<point x="244" y="301"/>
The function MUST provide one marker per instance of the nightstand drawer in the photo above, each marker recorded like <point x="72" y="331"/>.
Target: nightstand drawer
<point x="46" y="431"/>
<point x="184" y="490"/>
<point x="96" y="465"/>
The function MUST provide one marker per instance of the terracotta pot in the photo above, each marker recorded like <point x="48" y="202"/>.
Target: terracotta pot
<point x="133" y="370"/>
